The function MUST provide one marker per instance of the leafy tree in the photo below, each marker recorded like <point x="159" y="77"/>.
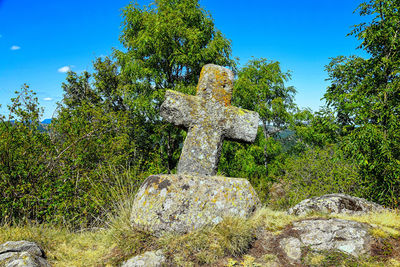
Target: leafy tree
<point x="365" y="93"/>
<point x="167" y="44"/>
<point x="261" y="87"/>
<point x="315" y="129"/>
<point x="78" y="90"/>
<point x="24" y="151"/>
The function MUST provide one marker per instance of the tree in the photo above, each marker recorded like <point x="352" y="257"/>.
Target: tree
<point x="166" y="44"/>
<point x="24" y="151"/>
<point x="261" y="87"/>
<point x="365" y="93"/>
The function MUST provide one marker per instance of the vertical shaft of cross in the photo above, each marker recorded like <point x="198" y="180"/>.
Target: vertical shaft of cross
<point x="201" y="151"/>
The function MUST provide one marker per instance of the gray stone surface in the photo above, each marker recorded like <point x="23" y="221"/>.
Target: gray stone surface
<point x="317" y="236"/>
<point x="335" y="204"/>
<point x="22" y="254"/>
<point x="183" y="203"/>
<point x="347" y="236"/>
<point x="209" y="118"/>
<point x="147" y="259"/>
<point x="292" y="248"/>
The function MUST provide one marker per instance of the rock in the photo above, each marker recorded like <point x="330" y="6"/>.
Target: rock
<point x="209" y="118"/>
<point x="183" y="203"/>
<point x="22" y="254"/>
<point x="347" y="236"/>
<point x="335" y="204"/>
<point x="148" y="259"/>
<point x="318" y="235"/>
<point x="292" y="247"/>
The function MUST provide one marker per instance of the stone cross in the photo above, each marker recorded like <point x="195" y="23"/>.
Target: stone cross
<point x="209" y="118"/>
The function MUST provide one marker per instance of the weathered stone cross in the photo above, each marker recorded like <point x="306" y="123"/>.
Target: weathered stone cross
<point x="210" y="118"/>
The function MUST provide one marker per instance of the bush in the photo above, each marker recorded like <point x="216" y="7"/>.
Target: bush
<point x="315" y="172"/>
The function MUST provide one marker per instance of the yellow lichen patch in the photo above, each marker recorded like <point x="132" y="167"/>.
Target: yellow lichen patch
<point x="221" y="96"/>
<point x="221" y="86"/>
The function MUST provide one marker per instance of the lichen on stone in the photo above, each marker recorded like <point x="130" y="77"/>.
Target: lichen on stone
<point x="161" y="205"/>
<point x="209" y="118"/>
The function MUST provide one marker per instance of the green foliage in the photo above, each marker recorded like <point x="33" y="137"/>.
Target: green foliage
<point x="108" y="125"/>
<point x="315" y="129"/>
<point x="365" y="96"/>
<point x="247" y="161"/>
<point x="167" y="44"/>
<point x="261" y="87"/>
<point x="314" y="173"/>
<point x="108" y="118"/>
<point x="23" y="155"/>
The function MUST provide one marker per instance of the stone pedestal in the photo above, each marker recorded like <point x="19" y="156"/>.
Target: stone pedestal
<point x="182" y="203"/>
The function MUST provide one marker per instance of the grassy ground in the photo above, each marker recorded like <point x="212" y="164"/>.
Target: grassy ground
<point x="227" y="244"/>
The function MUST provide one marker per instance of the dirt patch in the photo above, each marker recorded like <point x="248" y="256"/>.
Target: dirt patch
<point x="386" y="249"/>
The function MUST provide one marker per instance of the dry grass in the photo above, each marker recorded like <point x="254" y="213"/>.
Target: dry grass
<point x="386" y="224"/>
<point x="231" y="239"/>
<point x="62" y="247"/>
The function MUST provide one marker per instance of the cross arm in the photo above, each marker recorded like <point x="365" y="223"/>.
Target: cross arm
<point x="241" y="124"/>
<point x="179" y="109"/>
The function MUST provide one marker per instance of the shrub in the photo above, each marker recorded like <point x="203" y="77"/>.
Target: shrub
<point x="315" y="172"/>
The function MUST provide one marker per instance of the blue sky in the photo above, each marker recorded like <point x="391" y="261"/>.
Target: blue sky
<point x="40" y="40"/>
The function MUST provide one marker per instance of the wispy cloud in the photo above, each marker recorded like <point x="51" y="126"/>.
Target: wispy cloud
<point x="15" y="47"/>
<point x="64" y="69"/>
<point x="47" y="99"/>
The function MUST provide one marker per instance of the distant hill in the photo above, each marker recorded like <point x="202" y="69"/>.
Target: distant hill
<point x="46" y="121"/>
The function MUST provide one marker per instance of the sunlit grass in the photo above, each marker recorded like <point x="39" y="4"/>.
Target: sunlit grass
<point x="232" y="238"/>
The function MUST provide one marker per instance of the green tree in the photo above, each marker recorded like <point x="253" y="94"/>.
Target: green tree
<point x="24" y="152"/>
<point x="318" y="128"/>
<point x="261" y="87"/>
<point x="166" y="44"/>
<point x="365" y="93"/>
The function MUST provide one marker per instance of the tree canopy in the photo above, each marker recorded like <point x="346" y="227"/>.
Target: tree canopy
<point x="365" y="94"/>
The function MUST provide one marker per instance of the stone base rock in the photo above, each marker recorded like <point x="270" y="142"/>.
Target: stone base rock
<point x="182" y="203"/>
<point x="22" y="253"/>
<point x="335" y="204"/>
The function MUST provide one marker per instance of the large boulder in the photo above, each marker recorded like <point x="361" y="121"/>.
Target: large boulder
<point x="22" y="254"/>
<point x="335" y="204"/>
<point x="183" y="203"/>
<point x="318" y="235"/>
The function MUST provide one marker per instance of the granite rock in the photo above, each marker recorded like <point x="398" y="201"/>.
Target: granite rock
<point x="22" y="254"/>
<point x="182" y="203"/>
<point x="147" y="259"/>
<point x="317" y="236"/>
<point x="335" y="204"/>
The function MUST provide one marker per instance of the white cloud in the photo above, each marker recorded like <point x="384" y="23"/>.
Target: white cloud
<point x="47" y="99"/>
<point x="15" y="47"/>
<point x="64" y="69"/>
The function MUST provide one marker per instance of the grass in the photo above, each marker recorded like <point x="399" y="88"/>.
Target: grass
<point x="62" y="247"/>
<point x="386" y="224"/>
<point x="224" y="244"/>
